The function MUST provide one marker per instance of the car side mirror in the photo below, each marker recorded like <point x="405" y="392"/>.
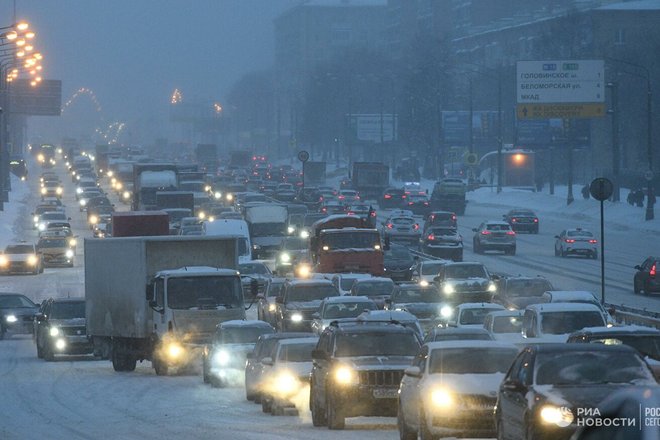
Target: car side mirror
<point x="474" y="229"/>
<point x="557" y="236"/>
<point x="267" y="361"/>
<point x="319" y="354"/>
<point x="638" y="267"/>
<point x="413" y="372"/>
<point x="68" y="218"/>
<point x="611" y="311"/>
<point x="513" y="386"/>
<point x="40" y="317"/>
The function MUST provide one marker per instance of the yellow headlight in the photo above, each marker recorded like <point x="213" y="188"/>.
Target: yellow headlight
<point x="272" y="307"/>
<point x="423" y="283"/>
<point x="59" y="191"/>
<point x="126" y="195"/>
<point x="72" y="242"/>
<point x="3" y="260"/>
<point x="43" y="190"/>
<point x="560" y="416"/>
<point x="492" y="287"/>
<point x="201" y="215"/>
<point x="230" y="197"/>
<point x="110" y="173"/>
<point x="119" y="186"/>
<point x="285" y="258"/>
<point x="32" y="260"/>
<point x="93" y="219"/>
<point x="448" y="289"/>
<point x="442" y="398"/>
<point x="174" y="350"/>
<point x="304" y="271"/>
<point x="286" y="383"/>
<point x="345" y="375"/>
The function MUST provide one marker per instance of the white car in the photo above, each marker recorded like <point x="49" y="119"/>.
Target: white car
<point x="21" y="258"/>
<point x="451" y="387"/>
<point x="471" y="314"/>
<point x="576" y="241"/>
<point x="547" y="323"/>
<point x="577" y="296"/>
<point x="506" y="326"/>
<point x="426" y="270"/>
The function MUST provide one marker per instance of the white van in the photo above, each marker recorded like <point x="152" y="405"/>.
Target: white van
<point x="232" y="228"/>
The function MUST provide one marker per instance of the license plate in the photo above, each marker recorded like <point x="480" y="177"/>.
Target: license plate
<point x="385" y="393"/>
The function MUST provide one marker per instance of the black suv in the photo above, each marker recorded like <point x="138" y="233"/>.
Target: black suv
<point x="357" y="368"/>
<point x="299" y="300"/>
<point x="59" y="328"/>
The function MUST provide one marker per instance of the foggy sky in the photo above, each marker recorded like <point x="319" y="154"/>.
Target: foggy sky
<point x="134" y="53"/>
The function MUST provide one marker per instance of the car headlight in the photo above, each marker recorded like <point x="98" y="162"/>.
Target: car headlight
<point x="221" y="358"/>
<point x="59" y="191"/>
<point x="441" y="398"/>
<point x="83" y="202"/>
<point x="78" y="190"/>
<point x="35" y="218"/>
<point x="11" y="319"/>
<point x="211" y="218"/>
<point x="32" y="260"/>
<point x="272" y="307"/>
<point x="42" y="226"/>
<point x="174" y="350"/>
<point x="296" y="317"/>
<point x="290" y="230"/>
<point x="492" y="287"/>
<point x="230" y="197"/>
<point x="304" y="234"/>
<point x="446" y="311"/>
<point x="72" y="242"/>
<point x="256" y="247"/>
<point x="93" y="219"/>
<point x="41" y="158"/>
<point x="60" y="344"/>
<point x="448" y="289"/>
<point x="217" y="195"/>
<point x="54" y="331"/>
<point x="119" y="186"/>
<point x="285" y="257"/>
<point x="286" y="383"/>
<point x="3" y="260"/>
<point x="69" y="253"/>
<point x="345" y="375"/>
<point x="126" y="195"/>
<point x="201" y="215"/>
<point x="554" y="415"/>
<point x="110" y="173"/>
<point x="423" y="283"/>
<point x="304" y="271"/>
<point x="44" y="191"/>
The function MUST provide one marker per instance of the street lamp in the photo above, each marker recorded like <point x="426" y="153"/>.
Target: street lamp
<point x="649" y="129"/>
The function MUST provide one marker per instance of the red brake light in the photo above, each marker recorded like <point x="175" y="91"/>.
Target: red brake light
<point x="513" y="220"/>
<point x="592" y="241"/>
<point x="411" y="203"/>
<point x="415" y="226"/>
<point x="388" y="196"/>
<point x="510" y="233"/>
<point x="350" y="213"/>
<point x="341" y="197"/>
<point x="389" y="225"/>
<point x="431" y="237"/>
<point x="569" y="240"/>
<point x="536" y="220"/>
<point x="453" y="217"/>
<point x="485" y="232"/>
<point x="403" y="196"/>
<point x="652" y="272"/>
<point x="426" y="203"/>
<point x="373" y="213"/>
<point x="324" y="209"/>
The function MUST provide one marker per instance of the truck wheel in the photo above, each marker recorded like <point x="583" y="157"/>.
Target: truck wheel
<point x="40" y="352"/>
<point x="205" y="373"/>
<point x="159" y="366"/>
<point x="266" y="404"/>
<point x="49" y="356"/>
<point x="336" y="419"/>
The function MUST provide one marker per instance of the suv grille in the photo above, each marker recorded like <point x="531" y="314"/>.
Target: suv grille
<point x="74" y="331"/>
<point x="381" y="378"/>
<point x="476" y="402"/>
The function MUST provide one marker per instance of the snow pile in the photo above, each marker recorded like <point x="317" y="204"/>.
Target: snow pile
<point x="18" y="196"/>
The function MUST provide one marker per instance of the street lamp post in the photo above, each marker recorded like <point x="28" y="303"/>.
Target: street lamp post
<point x="616" y="154"/>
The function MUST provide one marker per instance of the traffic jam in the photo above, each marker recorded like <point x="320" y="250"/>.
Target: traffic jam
<point x="326" y="296"/>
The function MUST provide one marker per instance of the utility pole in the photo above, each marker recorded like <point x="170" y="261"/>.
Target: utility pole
<point x="471" y="122"/>
<point x="616" y="154"/>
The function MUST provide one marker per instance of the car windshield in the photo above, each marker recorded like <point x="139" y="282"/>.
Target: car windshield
<point x="53" y="243"/>
<point x="527" y="287"/>
<point x="471" y="360"/>
<point x="432" y="268"/>
<point x="475" y="316"/>
<point x="253" y="269"/>
<point x="310" y="219"/>
<point x="68" y="310"/>
<point x="177" y="214"/>
<point x="559" y="323"/>
<point x="296" y="352"/>
<point x="579" y="234"/>
<point x="498" y="227"/>
<point x="295" y="243"/>
<point x="441" y="336"/>
<point x="376" y="344"/>
<point x="311" y="292"/>
<point x="416" y="295"/>
<point x="507" y="324"/>
<point x="402" y="221"/>
<point x="346" y="309"/>
<point x="350" y="240"/>
<point x="207" y="292"/>
<point x="398" y="253"/>
<point x="374" y="288"/>
<point x="590" y="367"/>
<point x="274" y="289"/>
<point x="192" y="186"/>
<point x="646" y="345"/>
<point x="521" y="214"/>
<point x="444" y="232"/>
<point x="53" y="216"/>
<point x="241" y="334"/>
<point x="462" y="271"/>
<point x="268" y="229"/>
<point x="20" y="249"/>
<point x="15" y="302"/>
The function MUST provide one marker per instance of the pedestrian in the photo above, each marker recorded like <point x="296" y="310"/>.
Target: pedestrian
<point x="585" y="192"/>
<point x="631" y="198"/>
<point x="639" y="199"/>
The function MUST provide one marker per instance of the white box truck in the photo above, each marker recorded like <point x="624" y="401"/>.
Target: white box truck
<point x="159" y="298"/>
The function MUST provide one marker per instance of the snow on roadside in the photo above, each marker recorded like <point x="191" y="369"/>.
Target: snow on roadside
<point x="18" y="196"/>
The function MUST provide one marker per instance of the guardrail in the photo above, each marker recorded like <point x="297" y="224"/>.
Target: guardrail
<point x="630" y="315"/>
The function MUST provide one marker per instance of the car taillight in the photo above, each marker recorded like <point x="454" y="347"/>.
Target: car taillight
<point x="389" y="225"/>
<point x="415" y="226"/>
<point x="513" y="220"/>
<point x="592" y="241"/>
<point x="536" y="220"/>
<point x="350" y="213"/>
<point x="324" y="209"/>
<point x="373" y="214"/>
<point x="485" y="232"/>
<point x="652" y="271"/>
<point x="510" y="233"/>
<point x="453" y="217"/>
<point x="387" y="196"/>
<point x="569" y="240"/>
<point x="431" y="237"/>
<point x="403" y="196"/>
<point x="341" y="197"/>
<point x="410" y="203"/>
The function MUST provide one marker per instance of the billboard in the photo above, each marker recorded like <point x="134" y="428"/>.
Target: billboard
<point x="44" y="99"/>
<point x="375" y="127"/>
